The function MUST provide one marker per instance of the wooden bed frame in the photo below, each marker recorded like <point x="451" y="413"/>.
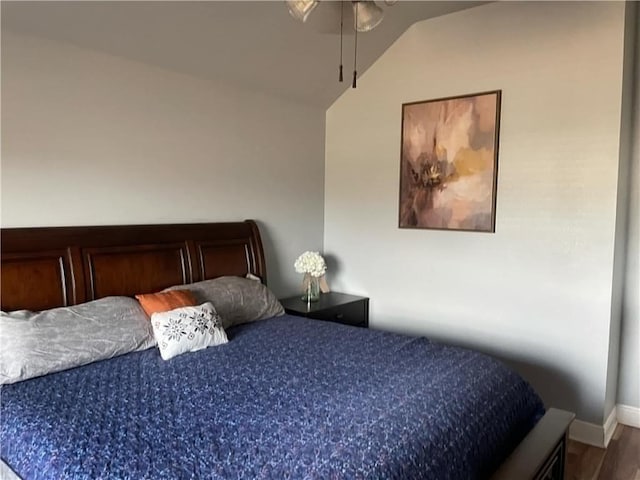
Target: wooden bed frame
<point x="52" y="267"/>
<point x="45" y="268"/>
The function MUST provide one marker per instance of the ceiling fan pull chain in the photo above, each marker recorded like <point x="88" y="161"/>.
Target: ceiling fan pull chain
<point x="355" y="49"/>
<point x="341" y="27"/>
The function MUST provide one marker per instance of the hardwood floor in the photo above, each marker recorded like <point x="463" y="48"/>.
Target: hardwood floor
<point x="620" y="461"/>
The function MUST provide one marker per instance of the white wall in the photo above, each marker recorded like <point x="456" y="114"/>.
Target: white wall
<point x="622" y="212"/>
<point x="538" y="291"/>
<point x="89" y="138"/>
<point x="629" y="378"/>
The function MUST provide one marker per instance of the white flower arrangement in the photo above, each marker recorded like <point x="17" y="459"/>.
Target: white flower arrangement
<point x="311" y="263"/>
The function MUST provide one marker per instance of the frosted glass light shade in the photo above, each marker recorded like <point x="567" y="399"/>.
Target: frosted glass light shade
<point x="300" y="9"/>
<point x="366" y="15"/>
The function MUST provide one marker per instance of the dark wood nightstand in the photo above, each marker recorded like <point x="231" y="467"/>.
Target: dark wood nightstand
<point x="332" y="306"/>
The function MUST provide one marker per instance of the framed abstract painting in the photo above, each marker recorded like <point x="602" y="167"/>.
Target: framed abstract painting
<point x="449" y="163"/>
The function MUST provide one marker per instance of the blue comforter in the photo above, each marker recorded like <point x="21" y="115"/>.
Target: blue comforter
<point x="285" y="398"/>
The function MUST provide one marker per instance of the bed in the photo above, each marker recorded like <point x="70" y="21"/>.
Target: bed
<point x="287" y="397"/>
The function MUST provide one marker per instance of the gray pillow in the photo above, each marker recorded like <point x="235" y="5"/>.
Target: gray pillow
<point x="34" y="344"/>
<point x="237" y="300"/>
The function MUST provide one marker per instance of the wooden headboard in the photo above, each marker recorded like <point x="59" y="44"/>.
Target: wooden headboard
<point x="51" y="267"/>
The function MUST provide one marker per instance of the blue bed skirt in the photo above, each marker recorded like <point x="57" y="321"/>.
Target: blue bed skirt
<point x="286" y="398"/>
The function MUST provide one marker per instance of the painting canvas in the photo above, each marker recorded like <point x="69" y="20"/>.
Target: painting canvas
<point x="449" y="163"/>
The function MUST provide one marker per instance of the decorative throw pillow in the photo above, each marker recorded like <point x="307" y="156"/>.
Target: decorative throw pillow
<point x="37" y="343"/>
<point x="237" y="300"/>
<point x="165" y="301"/>
<point x="187" y="329"/>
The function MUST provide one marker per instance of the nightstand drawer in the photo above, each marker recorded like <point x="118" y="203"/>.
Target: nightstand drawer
<point x="331" y="306"/>
<point x="350" y="314"/>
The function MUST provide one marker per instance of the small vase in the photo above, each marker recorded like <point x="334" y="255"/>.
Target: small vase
<point x="311" y="289"/>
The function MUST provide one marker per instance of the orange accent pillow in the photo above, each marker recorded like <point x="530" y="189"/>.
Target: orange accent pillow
<point x="165" y="301"/>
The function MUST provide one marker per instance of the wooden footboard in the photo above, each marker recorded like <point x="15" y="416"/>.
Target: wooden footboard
<point x="541" y="454"/>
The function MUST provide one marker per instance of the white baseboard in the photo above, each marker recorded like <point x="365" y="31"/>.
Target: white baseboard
<point x="593" y="434"/>
<point x="628" y="415"/>
<point x="585" y="432"/>
<point x="600" y="435"/>
<point x="610" y="426"/>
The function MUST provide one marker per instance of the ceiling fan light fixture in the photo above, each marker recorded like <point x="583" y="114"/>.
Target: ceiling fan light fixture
<point x="300" y="9"/>
<point x="367" y="15"/>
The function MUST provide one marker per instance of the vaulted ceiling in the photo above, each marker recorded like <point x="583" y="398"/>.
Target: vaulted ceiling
<point x="255" y="45"/>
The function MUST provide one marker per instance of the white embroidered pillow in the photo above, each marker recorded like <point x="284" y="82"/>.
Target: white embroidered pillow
<point x="187" y="329"/>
